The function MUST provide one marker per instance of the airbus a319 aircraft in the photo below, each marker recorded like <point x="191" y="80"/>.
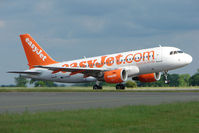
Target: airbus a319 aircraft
<point x="145" y="65"/>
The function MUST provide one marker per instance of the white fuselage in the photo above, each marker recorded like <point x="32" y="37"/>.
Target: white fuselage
<point x="135" y="62"/>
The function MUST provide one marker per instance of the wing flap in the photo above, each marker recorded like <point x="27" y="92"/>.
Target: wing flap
<point x="95" y="72"/>
<point x="67" y="69"/>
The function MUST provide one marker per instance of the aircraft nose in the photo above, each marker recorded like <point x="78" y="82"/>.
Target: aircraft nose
<point x="188" y="59"/>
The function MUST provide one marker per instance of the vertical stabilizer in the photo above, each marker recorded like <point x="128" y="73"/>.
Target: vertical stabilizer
<point x="34" y="53"/>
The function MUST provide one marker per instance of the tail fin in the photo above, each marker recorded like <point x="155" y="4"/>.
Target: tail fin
<point x="34" y="53"/>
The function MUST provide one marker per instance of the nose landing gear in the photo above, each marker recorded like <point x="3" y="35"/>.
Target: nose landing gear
<point x="166" y="81"/>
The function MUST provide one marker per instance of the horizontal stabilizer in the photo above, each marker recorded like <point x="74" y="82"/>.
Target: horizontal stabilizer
<point x="24" y="72"/>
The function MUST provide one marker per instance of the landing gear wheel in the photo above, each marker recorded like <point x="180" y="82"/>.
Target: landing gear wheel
<point x="97" y="87"/>
<point x="166" y="81"/>
<point x="120" y="87"/>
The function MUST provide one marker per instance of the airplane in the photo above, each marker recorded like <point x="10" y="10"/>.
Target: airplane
<point x="145" y="65"/>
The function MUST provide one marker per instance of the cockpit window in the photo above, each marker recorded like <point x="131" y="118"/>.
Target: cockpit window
<point x="179" y="51"/>
<point x="175" y="52"/>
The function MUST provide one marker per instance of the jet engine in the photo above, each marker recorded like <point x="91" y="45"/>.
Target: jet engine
<point x="115" y="76"/>
<point x="151" y="77"/>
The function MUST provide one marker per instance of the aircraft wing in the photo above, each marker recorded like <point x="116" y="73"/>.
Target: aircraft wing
<point x="87" y="71"/>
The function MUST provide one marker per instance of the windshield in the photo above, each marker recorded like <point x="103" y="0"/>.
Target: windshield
<point x="176" y="52"/>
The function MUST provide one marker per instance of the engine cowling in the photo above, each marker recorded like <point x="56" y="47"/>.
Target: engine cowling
<point x="115" y="76"/>
<point x="151" y="77"/>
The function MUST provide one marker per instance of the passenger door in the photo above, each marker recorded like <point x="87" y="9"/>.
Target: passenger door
<point x="159" y="54"/>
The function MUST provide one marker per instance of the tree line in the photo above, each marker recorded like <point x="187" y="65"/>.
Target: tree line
<point x="176" y="80"/>
<point x="23" y="82"/>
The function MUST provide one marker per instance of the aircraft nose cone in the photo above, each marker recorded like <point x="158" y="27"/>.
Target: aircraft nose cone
<point x="188" y="59"/>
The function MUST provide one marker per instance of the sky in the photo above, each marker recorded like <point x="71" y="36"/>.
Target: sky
<point x="71" y="29"/>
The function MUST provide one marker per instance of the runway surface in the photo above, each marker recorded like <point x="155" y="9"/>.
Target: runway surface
<point x="56" y="101"/>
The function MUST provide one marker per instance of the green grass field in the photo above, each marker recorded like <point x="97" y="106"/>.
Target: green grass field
<point x="84" y="89"/>
<point x="164" y="118"/>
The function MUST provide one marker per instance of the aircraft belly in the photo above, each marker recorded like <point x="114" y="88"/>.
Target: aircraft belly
<point x="150" y="68"/>
<point x="67" y="78"/>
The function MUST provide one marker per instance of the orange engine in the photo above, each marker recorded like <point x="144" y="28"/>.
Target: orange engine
<point x="151" y="77"/>
<point x="115" y="76"/>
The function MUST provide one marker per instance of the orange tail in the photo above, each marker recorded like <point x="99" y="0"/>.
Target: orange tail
<point x="34" y="53"/>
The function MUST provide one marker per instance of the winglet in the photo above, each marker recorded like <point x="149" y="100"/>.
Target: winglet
<point x="34" y="53"/>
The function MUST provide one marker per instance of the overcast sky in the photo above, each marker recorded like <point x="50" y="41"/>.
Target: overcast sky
<point x="71" y="29"/>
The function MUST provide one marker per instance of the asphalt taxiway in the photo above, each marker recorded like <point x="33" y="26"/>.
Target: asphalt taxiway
<point x="56" y="101"/>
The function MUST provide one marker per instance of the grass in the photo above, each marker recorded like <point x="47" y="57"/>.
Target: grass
<point x="164" y="118"/>
<point x="88" y="89"/>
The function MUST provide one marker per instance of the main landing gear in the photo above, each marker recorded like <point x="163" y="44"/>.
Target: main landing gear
<point x="120" y="87"/>
<point x="166" y="81"/>
<point x="97" y="86"/>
